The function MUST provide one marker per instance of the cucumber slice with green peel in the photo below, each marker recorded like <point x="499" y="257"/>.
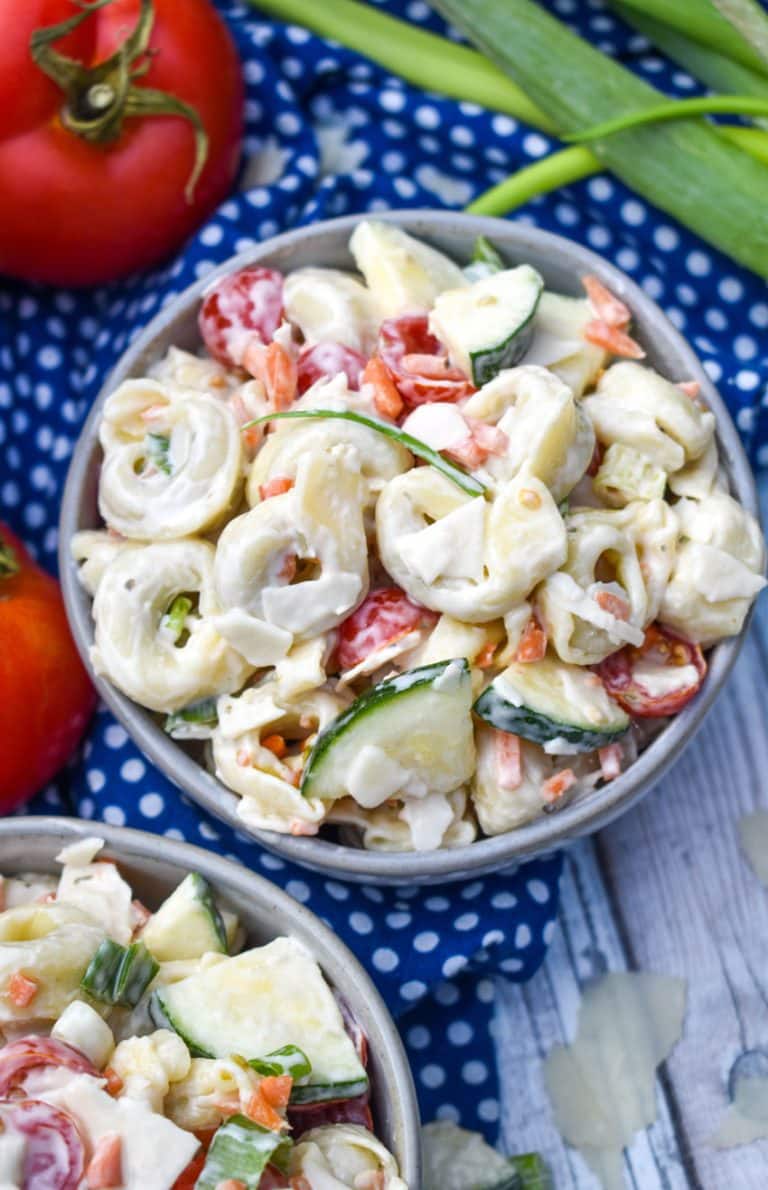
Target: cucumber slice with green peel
<point x="119" y="974"/>
<point x="457" y="475"/>
<point x="548" y="700"/>
<point x="489" y="325"/>
<point x="240" y="1152"/>
<point x="259" y="1002"/>
<point x="188" y="924"/>
<point x="328" y="1092"/>
<point x="409" y="734"/>
<point x="194" y="721"/>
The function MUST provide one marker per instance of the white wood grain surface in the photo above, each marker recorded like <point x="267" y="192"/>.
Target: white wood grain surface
<point x="665" y="889"/>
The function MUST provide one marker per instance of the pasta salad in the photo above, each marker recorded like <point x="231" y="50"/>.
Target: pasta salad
<point x="419" y="552"/>
<point x="148" y="1051"/>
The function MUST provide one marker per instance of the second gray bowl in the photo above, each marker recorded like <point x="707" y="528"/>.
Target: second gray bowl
<point x="562" y="264"/>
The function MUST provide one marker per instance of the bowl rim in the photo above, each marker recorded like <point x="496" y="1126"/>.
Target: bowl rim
<point x="344" y="971"/>
<point x="488" y="854"/>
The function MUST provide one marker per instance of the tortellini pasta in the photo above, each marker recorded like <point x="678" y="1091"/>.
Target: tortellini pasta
<point x="506" y="546"/>
<point x="499" y="809"/>
<point x="173" y="461"/>
<point x="258" y="751"/>
<point x="330" y="306"/>
<point x="340" y="1156"/>
<point x="415" y="824"/>
<point x="137" y="647"/>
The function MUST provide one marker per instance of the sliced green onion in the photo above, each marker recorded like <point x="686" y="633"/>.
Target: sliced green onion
<point x="687" y="168"/>
<point x="532" y="1172"/>
<point x="431" y="62"/>
<point x="485" y="253"/>
<point x="288" y="1060"/>
<point x="241" y="1151"/>
<point x="559" y="169"/>
<point x="457" y="475"/>
<point x="674" y="109"/>
<point x="752" y="140"/>
<point x="203" y="713"/>
<point x="118" y="974"/>
<point x="158" y="446"/>
<point x="176" y="617"/>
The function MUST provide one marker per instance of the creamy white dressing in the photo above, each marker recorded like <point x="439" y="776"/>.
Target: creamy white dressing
<point x="437" y="424"/>
<point x="452" y="547"/>
<point x="259" y="642"/>
<point x="373" y="776"/>
<point x="660" y="680"/>
<point x="428" y="819"/>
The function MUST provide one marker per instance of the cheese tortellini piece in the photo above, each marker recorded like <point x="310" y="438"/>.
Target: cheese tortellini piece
<point x="209" y="1090"/>
<point x="330" y="306"/>
<point x="498" y="809"/>
<point x="545" y="430"/>
<point x="173" y="461"/>
<point x="416" y="824"/>
<point x="559" y="344"/>
<point x="578" y="603"/>
<point x="297" y="563"/>
<point x="637" y="407"/>
<point x="718" y="569"/>
<point x="344" y="1157"/>
<point x="259" y="749"/>
<point x="136" y="644"/>
<point x="459" y="554"/>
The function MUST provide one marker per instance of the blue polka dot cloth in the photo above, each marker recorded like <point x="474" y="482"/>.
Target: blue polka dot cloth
<point x="330" y="133"/>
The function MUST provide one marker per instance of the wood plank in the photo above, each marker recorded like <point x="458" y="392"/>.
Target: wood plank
<point x="531" y="1018"/>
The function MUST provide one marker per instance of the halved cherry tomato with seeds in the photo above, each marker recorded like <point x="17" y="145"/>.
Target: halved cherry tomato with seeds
<point x="656" y="678"/>
<point x="418" y="363"/>
<point x="325" y="360"/>
<point x="29" y="1052"/>
<point x="239" y="309"/>
<point x="384" y="617"/>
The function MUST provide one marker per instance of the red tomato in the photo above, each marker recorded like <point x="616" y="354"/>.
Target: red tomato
<point x="303" y="1116"/>
<point x="662" y="652"/>
<point x="327" y="360"/>
<point x="381" y="619"/>
<point x="28" y="1053"/>
<point x="46" y="697"/>
<point x="238" y="309"/>
<point x="417" y="362"/>
<point x="77" y="211"/>
<point x="54" y="1157"/>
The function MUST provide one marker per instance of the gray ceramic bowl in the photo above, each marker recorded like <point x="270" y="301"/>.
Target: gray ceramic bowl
<point x="561" y="263"/>
<point x="154" y="866"/>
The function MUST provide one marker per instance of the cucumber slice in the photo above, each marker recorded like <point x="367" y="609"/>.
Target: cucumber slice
<point x="259" y="1001"/>
<point x="188" y="924"/>
<point x="411" y="733"/>
<point x="402" y="273"/>
<point x="239" y="1154"/>
<point x="193" y="722"/>
<point x="457" y="475"/>
<point x="548" y="700"/>
<point x="119" y="974"/>
<point x="489" y="326"/>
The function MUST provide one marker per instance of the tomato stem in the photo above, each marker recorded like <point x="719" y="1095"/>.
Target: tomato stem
<point x="9" y="563"/>
<point x="97" y="99"/>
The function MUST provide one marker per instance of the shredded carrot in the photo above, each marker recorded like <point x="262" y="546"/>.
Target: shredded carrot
<point x="386" y="398"/>
<point x="276" y="1089"/>
<point x="613" y="604"/>
<point x="553" y="789"/>
<point x="509" y="760"/>
<point x="607" y="307"/>
<point x="691" y="388"/>
<point x="114" y="1081"/>
<point x="276" y="370"/>
<point x="612" y="339"/>
<point x="533" y="642"/>
<point x="105" y="1169"/>
<point x="243" y="758"/>
<point x="489" y="438"/>
<point x="22" y="990"/>
<point x="231" y="1184"/>
<point x="275" y="486"/>
<point x="485" y="656"/>
<point x="261" y="1111"/>
<point x="297" y="827"/>
<point x="141" y="914"/>
<point x="276" y="745"/>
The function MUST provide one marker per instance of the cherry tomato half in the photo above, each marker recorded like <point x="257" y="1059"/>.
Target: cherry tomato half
<point x="656" y="678"/>
<point x="383" y="618"/>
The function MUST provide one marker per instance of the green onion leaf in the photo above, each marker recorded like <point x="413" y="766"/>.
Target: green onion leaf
<point x="158" y="446"/>
<point x="750" y="20"/>
<point x="700" y="21"/>
<point x="674" y="109"/>
<point x="457" y="475"/>
<point x="559" y="169"/>
<point x="485" y="253"/>
<point x="203" y="713"/>
<point x="175" y="618"/>
<point x="118" y="974"/>
<point x="288" y="1060"/>
<point x="241" y="1151"/>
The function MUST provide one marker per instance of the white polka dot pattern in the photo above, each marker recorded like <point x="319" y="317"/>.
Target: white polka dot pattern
<point x="327" y="134"/>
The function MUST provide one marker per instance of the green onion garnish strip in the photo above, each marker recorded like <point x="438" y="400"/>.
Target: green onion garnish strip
<point x="288" y="1060"/>
<point x="559" y="169"/>
<point x="687" y="168"/>
<point x="700" y="21"/>
<point x="750" y="20"/>
<point x="457" y="475"/>
<point x="158" y="446"/>
<point x="119" y="974"/>
<point x="674" y="109"/>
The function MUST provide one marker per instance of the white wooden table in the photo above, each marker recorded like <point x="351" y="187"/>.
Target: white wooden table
<point x="665" y="889"/>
